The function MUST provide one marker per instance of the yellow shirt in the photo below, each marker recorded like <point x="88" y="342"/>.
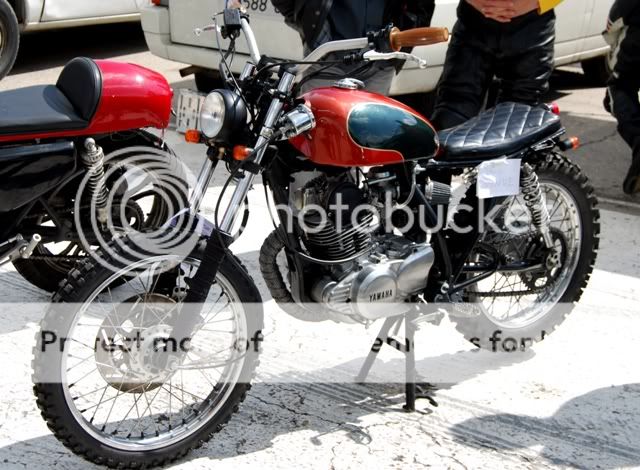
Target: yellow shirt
<point x="546" y="5"/>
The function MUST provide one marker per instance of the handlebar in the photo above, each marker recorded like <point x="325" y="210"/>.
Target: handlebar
<point x="417" y="37"/>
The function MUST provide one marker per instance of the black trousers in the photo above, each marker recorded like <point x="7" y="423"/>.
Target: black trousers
<point x="622" y="96"/>
<point x="519" y="54"/>
<point x="625" y="107"/>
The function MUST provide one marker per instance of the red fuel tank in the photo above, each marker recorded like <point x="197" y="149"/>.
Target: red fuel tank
<point x="358" y="128"/>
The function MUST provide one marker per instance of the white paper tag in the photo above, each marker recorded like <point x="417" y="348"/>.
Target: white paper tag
<point x="498" y="178"/>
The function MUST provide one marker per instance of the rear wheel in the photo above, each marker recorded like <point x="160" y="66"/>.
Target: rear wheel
<point x="510" y="311"/>
<point x="9" y="38"/>
<point x="118" y="407"/>
<point x="146" y="209"/>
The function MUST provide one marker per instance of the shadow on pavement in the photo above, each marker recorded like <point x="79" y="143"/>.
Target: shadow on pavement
<point x="275" y="409"/>
<point x="598" y="430"/>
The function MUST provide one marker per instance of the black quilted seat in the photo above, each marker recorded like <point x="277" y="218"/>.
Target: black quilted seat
<point x="503" y="130"/>
<point x="70" y="104"/>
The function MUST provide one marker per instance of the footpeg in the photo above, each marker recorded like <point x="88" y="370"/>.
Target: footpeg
<point x="27" y="250"/>
<point x="21" y="249"/>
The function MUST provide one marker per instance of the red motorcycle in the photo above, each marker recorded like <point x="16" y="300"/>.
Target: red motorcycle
<point x="359" y="181"/>
<point x="54" y="137"/>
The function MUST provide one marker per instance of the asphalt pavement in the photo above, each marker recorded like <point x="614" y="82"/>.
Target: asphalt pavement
<point x="572" y="401"/>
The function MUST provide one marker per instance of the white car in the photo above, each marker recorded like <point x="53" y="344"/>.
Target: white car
<point x="169" y="31"/>
<point x="18" y="16"/>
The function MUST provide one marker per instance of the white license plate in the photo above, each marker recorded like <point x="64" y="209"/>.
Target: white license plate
<point x="189" y="103"/>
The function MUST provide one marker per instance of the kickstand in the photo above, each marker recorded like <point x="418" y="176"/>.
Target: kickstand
<point x="413" y="389"/>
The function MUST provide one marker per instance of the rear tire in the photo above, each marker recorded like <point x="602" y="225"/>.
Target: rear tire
<point x="484" y="331"/>
<point x="47" y="274"/>
<point x="9" y="38"/>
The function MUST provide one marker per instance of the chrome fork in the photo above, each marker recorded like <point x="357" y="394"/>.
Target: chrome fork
<point x="240" y="193"/>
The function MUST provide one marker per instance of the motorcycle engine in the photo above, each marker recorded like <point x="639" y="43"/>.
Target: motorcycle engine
<point x="365" y="274"/>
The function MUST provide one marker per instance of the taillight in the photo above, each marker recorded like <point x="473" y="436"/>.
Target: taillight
<point x="554" y="108"/>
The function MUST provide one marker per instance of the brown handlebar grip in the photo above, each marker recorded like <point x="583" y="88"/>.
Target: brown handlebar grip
<point x="417" y="37"/>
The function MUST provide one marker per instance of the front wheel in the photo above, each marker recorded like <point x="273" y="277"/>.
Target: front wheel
<point x="116" y="405"/>
<point x="510" y="311"/>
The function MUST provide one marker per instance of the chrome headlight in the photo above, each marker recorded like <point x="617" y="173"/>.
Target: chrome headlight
<point x="222" y="113"/>
<point x="212" y="114"/>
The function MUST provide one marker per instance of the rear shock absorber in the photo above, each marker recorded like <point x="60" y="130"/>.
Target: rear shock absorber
<point x="93" y="159"/>
<point x="532" y="195"/>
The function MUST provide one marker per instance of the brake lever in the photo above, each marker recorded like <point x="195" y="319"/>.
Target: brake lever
<point x="372" y="56"/>
<point x="200" y="31"/>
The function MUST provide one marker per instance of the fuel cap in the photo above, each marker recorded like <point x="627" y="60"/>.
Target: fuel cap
<point x="349" y="84"/>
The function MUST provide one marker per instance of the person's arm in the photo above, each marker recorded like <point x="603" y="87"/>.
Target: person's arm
<point x="546" y="5"/>
<point x="620" y="13"/>
<point x="287" y="9"/>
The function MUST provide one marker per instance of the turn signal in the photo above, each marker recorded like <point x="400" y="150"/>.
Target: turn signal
<point x="192" y="136"/>
<point x="572" y="143"/>
<point x="240" y="152"/>
<point x="575" y="143"/>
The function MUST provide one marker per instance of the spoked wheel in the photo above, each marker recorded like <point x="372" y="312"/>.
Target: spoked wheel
<point x="511" y="310"/>
<point x="114" y="395"/>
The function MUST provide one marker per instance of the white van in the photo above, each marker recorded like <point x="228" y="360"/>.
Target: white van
<point x="168" y="29"/>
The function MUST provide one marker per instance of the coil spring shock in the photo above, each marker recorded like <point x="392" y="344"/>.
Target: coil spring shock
<point x="93" y="159"/>
<point x="532" y="195"/>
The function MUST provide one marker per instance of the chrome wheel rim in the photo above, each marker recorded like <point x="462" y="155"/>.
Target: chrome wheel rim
<point x="149" y="419"/>
<point x="523" y="310"/>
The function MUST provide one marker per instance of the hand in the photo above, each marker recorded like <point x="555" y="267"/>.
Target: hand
<point x="499" y="10"/>
<point x="503" y="11"/>
<point x="522" y="7"/>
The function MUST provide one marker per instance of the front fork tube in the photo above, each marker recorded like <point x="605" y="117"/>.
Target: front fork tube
<point x="217" y="244"/>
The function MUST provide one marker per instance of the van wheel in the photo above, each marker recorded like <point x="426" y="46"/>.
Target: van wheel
<point x="208" y="81"/>
<point x="596" y="70"/>
<point x="9" y="38"/>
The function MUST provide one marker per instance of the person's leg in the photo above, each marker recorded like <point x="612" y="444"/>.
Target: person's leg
<point x="625" y="107"/>
<point x="468" y="71"/>
<point x="527" y="62"/>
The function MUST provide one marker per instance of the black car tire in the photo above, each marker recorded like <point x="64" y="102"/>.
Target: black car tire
<point x="9" y="38"/>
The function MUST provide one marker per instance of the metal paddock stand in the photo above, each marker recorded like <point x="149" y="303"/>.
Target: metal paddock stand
<point x="413" y="389"/>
